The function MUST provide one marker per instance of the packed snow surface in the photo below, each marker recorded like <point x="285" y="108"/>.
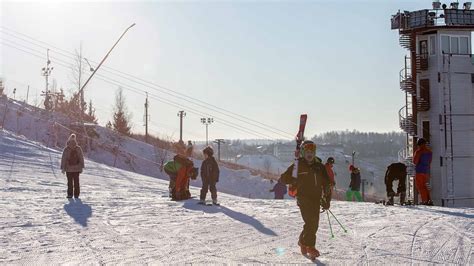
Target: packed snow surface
<point x="127" y="218"/>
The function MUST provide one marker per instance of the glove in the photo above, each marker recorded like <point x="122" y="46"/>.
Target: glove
<point x="63" y="172"/>
<point x="428" y="185"/>
<point x="325" y="204"/>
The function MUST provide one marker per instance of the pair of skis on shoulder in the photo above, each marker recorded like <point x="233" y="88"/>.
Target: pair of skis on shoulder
<point x="299" y="139"/>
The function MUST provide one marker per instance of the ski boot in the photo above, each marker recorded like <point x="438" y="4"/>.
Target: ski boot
<point x="390" y="201"/>
<point x="215" y="202"/>
<point x="429" y="203"/>
<point x="402" y="198"/>
<point x="202" y="202"/>
<point x="313" y="253"/>
<point x="302" y="248"/>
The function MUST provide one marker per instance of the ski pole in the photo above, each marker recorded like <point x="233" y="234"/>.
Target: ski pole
<point x="330" y="226"/>
<point x="345" y="231"/>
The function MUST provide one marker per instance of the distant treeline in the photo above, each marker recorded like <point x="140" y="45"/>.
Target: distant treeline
<point x="367" y="144"/>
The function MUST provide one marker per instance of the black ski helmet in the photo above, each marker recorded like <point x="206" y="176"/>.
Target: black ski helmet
<point x="209" y="151"/>
<point x="421" y="141"/>
<point x="331" y="160"/>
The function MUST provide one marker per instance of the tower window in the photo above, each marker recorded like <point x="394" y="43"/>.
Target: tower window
<point x="455" y="44"/>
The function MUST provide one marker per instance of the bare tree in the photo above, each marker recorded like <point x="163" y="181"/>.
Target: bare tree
<point x="162" y="150"/>
<point x="77" y="76"/>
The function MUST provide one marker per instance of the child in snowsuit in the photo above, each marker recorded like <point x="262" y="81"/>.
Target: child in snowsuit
<point x="396" y="171"/>
<point x="279" y="189"/>
<point x="313" y="192"/>
<point x="180" y="170"/>
<point x="354" y="186"/>
<point x="209" y="175"/>
<point x="72" y="163"/>
<point x="422" y="159"/>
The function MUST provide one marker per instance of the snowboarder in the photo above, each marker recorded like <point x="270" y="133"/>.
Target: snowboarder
<point x="180" y="170"/>
<point x="422" y="159"/>
<point x="72" y="163"/>
<point x="313" y="192"/>
<point x="279" y="189"/>
<point x="396" y="171"/>
<point x="209" y="176"/>
<point x="329" y="165"/>
<point x="354" y="186"/>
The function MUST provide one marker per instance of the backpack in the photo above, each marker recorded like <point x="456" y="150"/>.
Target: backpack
<point x="74" y="157"/>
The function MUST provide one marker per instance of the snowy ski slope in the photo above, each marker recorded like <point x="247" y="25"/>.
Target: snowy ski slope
<point x="127" y="218"/>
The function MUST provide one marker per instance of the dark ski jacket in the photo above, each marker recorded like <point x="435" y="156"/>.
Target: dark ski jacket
<point x="280" y="190"/>
<point x="312" y="182"/>
<point x="395" y="171"/>
<point x="210" y="169"/>
<point x="355" y="181"/>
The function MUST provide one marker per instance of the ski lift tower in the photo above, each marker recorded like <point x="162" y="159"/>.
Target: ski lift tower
<point x="438" y="81"/>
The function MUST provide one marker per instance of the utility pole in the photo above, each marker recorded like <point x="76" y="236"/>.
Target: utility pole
<point x="146" y="118"/>
<point x="219" y="141"/>
<point x="181" y="114"/>
<point x="46" y="72"/>
<point x="27" y="93"/>
<point x="207" y="121"/>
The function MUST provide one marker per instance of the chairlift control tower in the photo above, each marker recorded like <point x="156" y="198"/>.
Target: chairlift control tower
<point x="438" y="81"/>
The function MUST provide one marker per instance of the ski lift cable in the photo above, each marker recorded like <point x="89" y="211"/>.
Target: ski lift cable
<point x="155" y="97"/>
<point x="148" y="83"/>
<point x="60" y="60"/>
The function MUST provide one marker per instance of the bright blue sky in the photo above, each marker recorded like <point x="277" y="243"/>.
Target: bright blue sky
<point x="270" y="61"/>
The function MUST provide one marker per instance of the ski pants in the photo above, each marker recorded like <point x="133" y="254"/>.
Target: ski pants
<point x="73" y="184"/>
<point x="350" y="194"/>
<point x="208" y="184"/>
<point x="421" y="179"/>
<point x="402" y="186"/>
<point x="309" y="209"/>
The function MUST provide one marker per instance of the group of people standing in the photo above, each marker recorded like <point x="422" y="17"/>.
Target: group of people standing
<point x="181" y="169"/>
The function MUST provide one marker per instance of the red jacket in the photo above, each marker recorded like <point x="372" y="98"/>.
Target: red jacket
<point x="332" y="181"/>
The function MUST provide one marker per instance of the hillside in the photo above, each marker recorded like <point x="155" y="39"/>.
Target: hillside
<point x="126" y="218"/>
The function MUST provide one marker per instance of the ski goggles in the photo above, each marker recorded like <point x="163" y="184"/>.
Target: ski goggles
<point x="309" y="148"/>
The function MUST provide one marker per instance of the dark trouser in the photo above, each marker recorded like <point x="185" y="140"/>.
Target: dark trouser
<point x="310" y="212"/>
<point x="402" y="186"/>
<point x="208" y="184"/>
<point x="73" y="182"/>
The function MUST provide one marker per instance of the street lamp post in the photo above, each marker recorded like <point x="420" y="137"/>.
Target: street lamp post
<point x="207" y="121"/>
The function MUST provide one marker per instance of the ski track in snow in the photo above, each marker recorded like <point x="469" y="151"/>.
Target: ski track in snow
<point x="127" y="218"/>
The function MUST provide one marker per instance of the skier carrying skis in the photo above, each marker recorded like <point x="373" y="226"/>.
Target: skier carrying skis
<point x="279" y="189"/>
<point x="396" y="171"/>
<point x="72" y="163"/>
<point x="313" y="192"/>
<point x="422" y="159"/>
<point x="209" y="176"/>
<point x="354" y="186"/>
<point x="180" y="170"/>
<point x="329" y="165"/>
